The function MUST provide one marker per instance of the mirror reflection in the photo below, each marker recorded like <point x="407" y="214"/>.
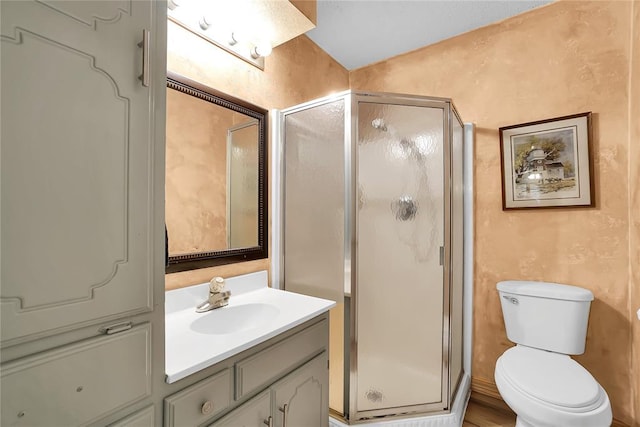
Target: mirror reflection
<point x="215" y="183"/>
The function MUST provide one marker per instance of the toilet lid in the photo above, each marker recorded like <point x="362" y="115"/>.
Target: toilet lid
<point x="551" y="377"/>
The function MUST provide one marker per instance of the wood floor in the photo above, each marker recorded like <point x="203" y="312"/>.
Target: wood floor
<point x="478" y="415"/>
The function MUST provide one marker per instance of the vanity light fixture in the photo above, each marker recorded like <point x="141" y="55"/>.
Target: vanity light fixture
<point x="261" y="24"/>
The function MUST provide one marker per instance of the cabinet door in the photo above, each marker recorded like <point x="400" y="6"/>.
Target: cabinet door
<point x="78" y="192"/>
<point x="142" y="418"/>
<point x="77" y="384"/>
<point x="255" y="413"/>
<point x="301" y="398"/>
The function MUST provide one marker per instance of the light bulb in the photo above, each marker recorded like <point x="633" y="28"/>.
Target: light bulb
<point x="205" y="23"/>
<point x="234" y="39"/>
<point x="263" y="48"/>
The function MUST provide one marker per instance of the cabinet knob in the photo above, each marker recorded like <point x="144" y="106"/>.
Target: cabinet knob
<point x="207" y="407"/>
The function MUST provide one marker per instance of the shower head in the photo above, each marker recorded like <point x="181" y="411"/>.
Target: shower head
<point x="407" y="144"/>
<point x="379" y="124"/>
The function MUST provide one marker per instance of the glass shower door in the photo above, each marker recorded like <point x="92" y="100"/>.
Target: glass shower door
<point x="400" y="278"/>
<point x="314" y="226"/>
<point x="242" y="185"/>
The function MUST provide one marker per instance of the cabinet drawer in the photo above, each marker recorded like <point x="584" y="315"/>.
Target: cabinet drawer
<point x="78" y="383"/>
<point x="199" y="402"/>
<point x="272" y="363"/>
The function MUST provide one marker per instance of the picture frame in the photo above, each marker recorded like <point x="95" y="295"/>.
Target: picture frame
<point x="547" y="163"/>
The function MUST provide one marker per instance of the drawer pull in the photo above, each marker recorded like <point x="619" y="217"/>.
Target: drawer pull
<point x="284" y="415"/>
<point x="207" y="407"/>
<point x="114" y="329"/>
<point x="269" y="421"/>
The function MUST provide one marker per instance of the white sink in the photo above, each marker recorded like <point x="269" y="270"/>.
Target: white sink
<point x="256" y="313"/>
<point x="233" y="319"/>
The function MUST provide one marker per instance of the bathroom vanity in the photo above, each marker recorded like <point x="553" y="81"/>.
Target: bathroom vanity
<point x="261" y="359"/>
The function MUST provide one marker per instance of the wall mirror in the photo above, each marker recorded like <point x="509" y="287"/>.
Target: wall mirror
<point x="216" y="183"/>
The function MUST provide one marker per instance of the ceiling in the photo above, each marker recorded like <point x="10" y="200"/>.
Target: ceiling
<point x="360" y="32"/>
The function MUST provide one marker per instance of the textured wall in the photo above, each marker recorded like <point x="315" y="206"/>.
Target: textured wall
<point x="308" y="9"/>
<point x="634" y="208"/>
<point x="196" y="177"/>
<point x="296" y="71"/>
<point x="565" y="58"/>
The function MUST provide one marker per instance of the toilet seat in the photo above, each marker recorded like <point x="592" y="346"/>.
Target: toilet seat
<point x="551" y="389"/>
<point x="553" y="378"/>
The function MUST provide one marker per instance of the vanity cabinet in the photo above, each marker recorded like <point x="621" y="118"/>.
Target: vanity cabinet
<point x="201" y="401"/>
<point x="142" y="418"/>
<point x="283" y="382"/>
<point x="254" y="413"/>
<point x="300" y="398"/>
<point x="82" y="203"/>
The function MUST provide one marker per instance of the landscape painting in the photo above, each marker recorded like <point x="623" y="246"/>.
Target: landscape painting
<point x="544" y="163"/>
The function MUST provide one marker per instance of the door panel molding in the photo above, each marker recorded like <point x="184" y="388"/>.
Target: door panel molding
<point x="110" y="12"/>
<point x="23" y="241"/>
<point x="78" y="174"/>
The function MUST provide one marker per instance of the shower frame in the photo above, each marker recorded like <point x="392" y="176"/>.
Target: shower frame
<point x="449" y="386"/>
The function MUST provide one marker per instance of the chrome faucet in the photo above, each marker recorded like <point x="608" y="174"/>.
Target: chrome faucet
<point x="217" y="296"/>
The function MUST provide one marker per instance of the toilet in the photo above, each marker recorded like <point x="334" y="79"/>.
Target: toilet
<point x="537" y="378"/>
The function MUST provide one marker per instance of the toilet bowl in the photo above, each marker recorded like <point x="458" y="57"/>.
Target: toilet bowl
<point x="537" y="378"/>
<point x="549" y="389"/>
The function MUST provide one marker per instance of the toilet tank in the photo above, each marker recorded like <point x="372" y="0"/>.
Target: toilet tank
<point x="548" y="316"/>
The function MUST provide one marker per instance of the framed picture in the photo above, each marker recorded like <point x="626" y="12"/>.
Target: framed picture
<point x="547" y="164"/>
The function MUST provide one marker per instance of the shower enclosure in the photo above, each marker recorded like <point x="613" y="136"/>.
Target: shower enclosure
<point x="371" y="193"/>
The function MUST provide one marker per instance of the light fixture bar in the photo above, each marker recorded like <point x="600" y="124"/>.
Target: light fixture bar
<point x="204" y="30"/>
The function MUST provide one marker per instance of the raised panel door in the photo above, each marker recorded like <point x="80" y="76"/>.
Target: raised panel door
<point x="301" y="398"/>
<point x="77" y="384"/>
<point x="77" y="167"/>
<point x="255" y="413"/>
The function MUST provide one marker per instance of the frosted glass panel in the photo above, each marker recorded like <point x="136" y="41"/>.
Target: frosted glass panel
<point x="400" y="229"/>
<point x="336" y="358"/>
<point x="242" y="152"/>
<point x="314" y="201"/>
<point x="457" y="252"/>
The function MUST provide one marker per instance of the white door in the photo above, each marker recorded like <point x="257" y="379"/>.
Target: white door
<point x="77" y="165"/>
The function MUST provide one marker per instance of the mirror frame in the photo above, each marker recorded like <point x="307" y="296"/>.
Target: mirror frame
<point x="196" y="260"/>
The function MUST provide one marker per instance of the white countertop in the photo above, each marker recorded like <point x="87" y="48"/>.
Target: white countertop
<point x="256" y="313"/>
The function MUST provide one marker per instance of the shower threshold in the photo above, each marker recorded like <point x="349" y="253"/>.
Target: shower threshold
<point x="454" y="418"/>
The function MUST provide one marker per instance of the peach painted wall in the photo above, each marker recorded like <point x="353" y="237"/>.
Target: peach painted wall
<point x="196" y="174"/>
<point x="308" y="8"/>
<point x="564" y="58"/>
<point x="634" y="207"/>
<point x="296" y="72"/>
